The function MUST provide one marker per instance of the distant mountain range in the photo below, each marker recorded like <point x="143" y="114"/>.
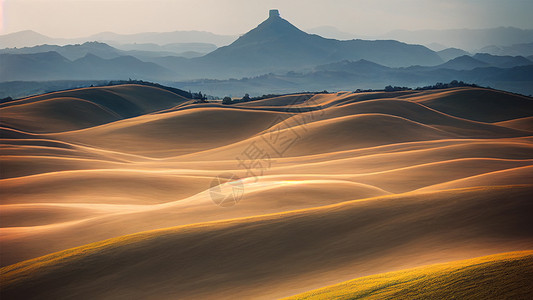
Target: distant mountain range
<point x="498" y="41"/>
<point x="273" y="46"/>
<point x="523" y="49"/>
<point x="277" y="45"/>
<point x="451" y="53"/>
<point x="141" y="51"/>
<point x="274" y="56"/>
<point x="52" y="66"/>
<point x="363" y="74"/>
<point x="29" y="38"/>
<point x="472" y="40"/>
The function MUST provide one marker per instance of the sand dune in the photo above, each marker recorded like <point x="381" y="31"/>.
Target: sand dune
<point x="328" y="187"/>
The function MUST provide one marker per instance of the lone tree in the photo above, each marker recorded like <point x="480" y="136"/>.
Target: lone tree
<point x="227" y="100"/>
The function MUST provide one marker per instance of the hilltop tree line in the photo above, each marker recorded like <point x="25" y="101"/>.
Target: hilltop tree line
<point x="437" y="86"/>
<point x="203" y="98"/>
<point x="247" y="98"/>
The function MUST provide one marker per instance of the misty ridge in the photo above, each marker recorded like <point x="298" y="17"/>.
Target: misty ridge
<point x="274" y="57"/>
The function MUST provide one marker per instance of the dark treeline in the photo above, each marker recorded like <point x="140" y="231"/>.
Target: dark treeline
<point x="436" y="86"/>
<point x="247" y="98"/>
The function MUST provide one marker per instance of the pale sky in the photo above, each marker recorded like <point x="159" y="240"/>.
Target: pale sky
<point x="78" y="18"/>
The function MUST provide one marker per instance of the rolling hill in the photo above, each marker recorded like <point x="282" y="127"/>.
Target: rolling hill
<point x="134" y="191"/>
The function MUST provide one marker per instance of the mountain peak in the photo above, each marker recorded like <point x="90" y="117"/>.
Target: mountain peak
<point x="273" y="28"/>
<point x="273" y="13"/>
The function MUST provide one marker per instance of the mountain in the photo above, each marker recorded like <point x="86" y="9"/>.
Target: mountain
<point x="350" y="75"/>
<point x="451" y="53"/>
<point x="26" y="38"/>
<point x="143" y="51"/>
<point x="277" y="45"/>
<point x="41" y="66"/>
<point x="522" y="49"/>
<point x="331" y="32"/>
<point x="503" y="61"/>
<point x="359" y="66"/>
<point x="29" y="38"/>
<point x="467" y="39"/>
<point x="163" y="38"/>
<point x="178" y="49"/>
<point x="70" y="52"/>
<point x="95" y="67"/>
<point x="464" y="62"/>
<point x="52" y="66"/>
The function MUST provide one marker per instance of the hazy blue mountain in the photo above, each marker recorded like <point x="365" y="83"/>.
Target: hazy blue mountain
<point x="39" y="66"/>
<point x="349" y="75"/>
<point x="331" y="32"/>
<point x="176" y="48"/>
<point x="163" y="38"/>
<point x="95" y="67"/>
<point x="363" y="66"/>
<point x="451" y="53"/>
<point x="103" y="50"/>
<point x="277" y="45"/>
<point x="26" y="38"/>
<point x="436" y="46"/>
<point x="464" y="62"/>
<point x="52" y="66"/>
<point x="523" y="49"/>
<point x="344" y="75"/>
<point x="468" y="39"/>
<point x="71" y="52"/>
<point x="503" y="61"/>
<point x="29" y="38"/>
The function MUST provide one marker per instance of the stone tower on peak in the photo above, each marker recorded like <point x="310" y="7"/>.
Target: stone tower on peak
<point x="273" y="13"/>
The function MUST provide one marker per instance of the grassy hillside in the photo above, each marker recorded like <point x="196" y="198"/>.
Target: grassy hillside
<point x="500" y="276"/>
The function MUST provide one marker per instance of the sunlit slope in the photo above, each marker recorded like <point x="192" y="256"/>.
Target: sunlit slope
<point x="110" y="186"/>
<point x="499" y="276"/>
<point x="84" y="108"/>
<point x="178" y="132"/>
<point x="283" y="254"/>
<point x="73" y="219"/>
<point x="520" y="175"/>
